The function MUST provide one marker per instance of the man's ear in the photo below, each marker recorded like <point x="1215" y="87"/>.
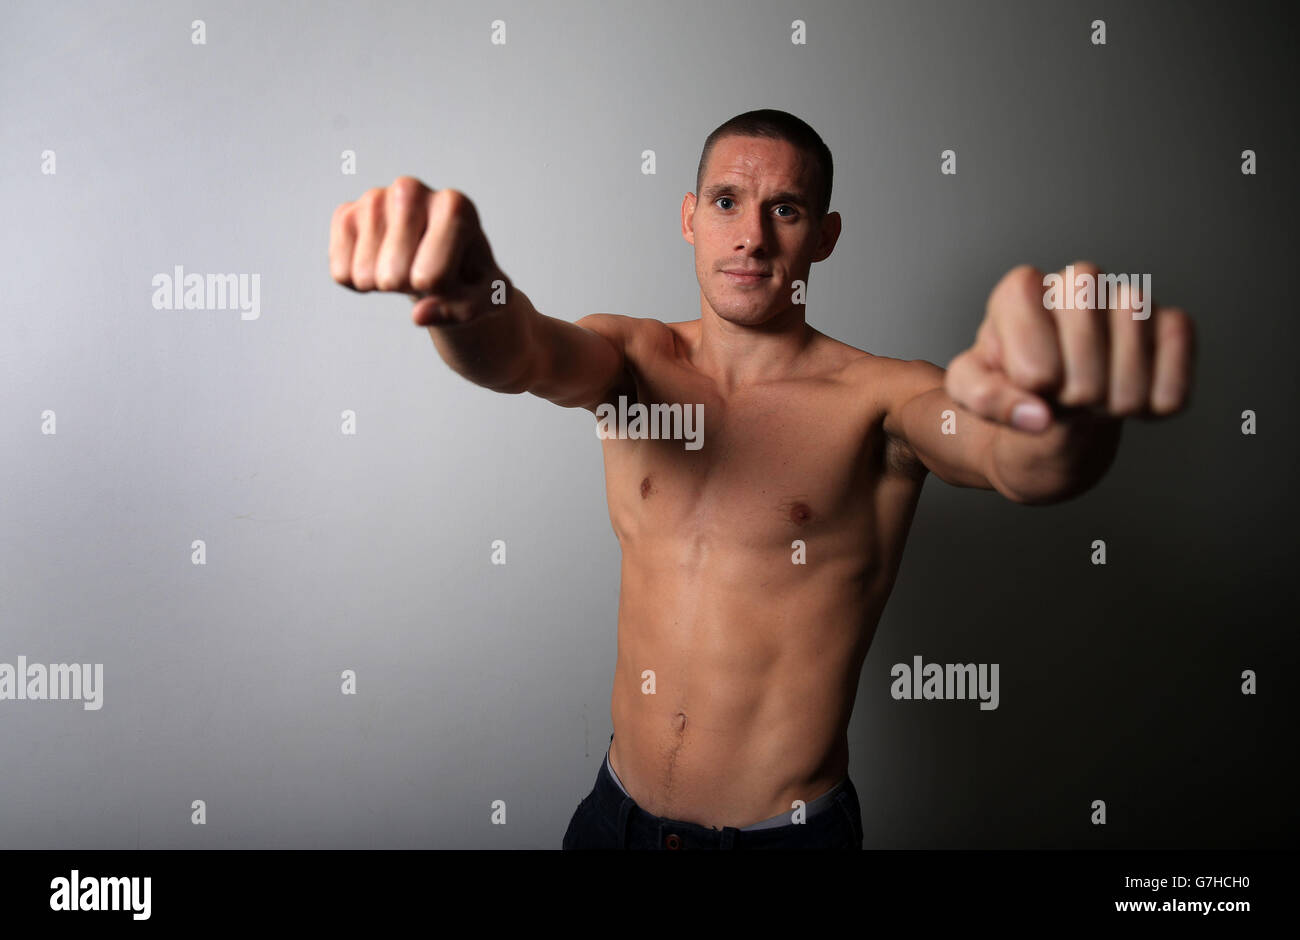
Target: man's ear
<point x="831" y="226"/>
<point x="688" y="218"/>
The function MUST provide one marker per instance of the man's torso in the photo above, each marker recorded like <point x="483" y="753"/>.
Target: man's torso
<point x="755" y="658"/>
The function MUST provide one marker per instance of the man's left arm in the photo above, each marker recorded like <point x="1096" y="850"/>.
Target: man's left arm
<point x="1034" y="408"/>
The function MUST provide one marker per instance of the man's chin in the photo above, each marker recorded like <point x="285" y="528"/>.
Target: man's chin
<point x="745" y="315"/>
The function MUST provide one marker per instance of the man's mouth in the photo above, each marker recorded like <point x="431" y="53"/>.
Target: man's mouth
<point x="747" y="276"/>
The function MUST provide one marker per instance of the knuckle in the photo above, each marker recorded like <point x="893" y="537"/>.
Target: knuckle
<point x="363" y="276"/>
<point x="1033" y="375"/>
<point x="1086" y="267"/>
<point x="1080" y="391"/>
<point x="458" y="205"/>
<point x="405" y="191"/>
<point x="388" y="277"/>
<point x="1020" y="290"/>
<point x="422" y="280"/>
<point x="1072" y="396"/>
<point x="1167" y="405"/>
<point x="1024" y="277"/>
<point x="982" y="394"/>
<point x="951" y="376"/>
<point x="1127" y="402"/>
<point x="407" y="186"/>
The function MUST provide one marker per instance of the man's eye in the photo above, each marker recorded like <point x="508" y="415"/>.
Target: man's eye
<point x="791" y="208"/>
<point x="719" y="199"/>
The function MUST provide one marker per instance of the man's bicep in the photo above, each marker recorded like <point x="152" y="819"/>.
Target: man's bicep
<point x="580" y="361"/>
<point x="949" y="441"/>
<point x="621" y="332"/>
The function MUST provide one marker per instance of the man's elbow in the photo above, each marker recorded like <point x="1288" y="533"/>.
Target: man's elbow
<point x="1046" y="496"/>
<point x="516" y="384"/>
<point x="1049" y="488"/>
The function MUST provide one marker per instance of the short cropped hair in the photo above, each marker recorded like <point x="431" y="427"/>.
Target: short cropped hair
<point x="778" y="125"/>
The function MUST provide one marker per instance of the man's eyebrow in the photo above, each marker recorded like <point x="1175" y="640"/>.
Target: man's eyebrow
<point x="716" y="190"/>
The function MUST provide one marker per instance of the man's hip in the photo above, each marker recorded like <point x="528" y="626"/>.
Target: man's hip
<point x="608" y="818"/>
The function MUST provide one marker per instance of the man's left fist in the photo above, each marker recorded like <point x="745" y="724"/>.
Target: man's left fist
<point x="1078" y="339"/>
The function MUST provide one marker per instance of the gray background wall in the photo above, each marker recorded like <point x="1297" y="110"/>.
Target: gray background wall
<point x="478" y="682"/>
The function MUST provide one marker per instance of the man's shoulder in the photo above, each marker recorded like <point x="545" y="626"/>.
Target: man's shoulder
<point x="625" y="331"/>
<point x="894" y="378"/>
<point x="890" y="384"/>
<point x="643" y="344"/>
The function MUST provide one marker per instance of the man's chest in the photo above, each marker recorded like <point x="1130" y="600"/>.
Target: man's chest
<point x="762" y="467"/>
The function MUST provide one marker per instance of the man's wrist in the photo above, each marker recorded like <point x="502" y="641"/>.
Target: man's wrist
<point x="1038" y="468"/>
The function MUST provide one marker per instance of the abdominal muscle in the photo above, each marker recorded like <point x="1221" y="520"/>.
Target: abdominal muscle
<point x="735" y="679"/>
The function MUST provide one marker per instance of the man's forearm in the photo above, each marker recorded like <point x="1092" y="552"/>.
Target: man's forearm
<point x="512" y="348"/>
<point x="494" y="349"/>
<point x="494" y="339"/>
<point x="1054" y="465"/>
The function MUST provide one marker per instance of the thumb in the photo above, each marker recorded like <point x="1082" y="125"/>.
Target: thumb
<point x="987" y="392"/>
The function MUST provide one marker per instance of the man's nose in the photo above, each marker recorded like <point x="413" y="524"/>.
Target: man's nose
<point x="752" y="234"/>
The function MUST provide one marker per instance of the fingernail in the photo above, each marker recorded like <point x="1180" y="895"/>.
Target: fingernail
<point x="1029" y="416"/>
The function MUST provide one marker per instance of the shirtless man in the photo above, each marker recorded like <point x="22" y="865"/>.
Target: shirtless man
<point x="739" y="651"/>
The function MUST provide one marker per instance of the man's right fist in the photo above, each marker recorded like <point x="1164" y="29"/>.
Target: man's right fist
<point x="418" y="241"/>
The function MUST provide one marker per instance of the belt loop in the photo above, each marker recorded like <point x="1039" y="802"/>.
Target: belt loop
<point x="729" y="837"/>
<point x="624" y="812"/>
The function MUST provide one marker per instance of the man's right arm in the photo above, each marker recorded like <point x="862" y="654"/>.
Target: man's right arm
<point x="514" y="349"/>
<point x="429" y="245"/>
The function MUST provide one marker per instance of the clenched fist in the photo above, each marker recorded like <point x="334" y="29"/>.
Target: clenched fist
<point x="426" y="243"/>
<point x="1051" y="342"/>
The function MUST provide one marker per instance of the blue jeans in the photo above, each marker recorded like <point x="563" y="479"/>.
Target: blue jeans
<point x="609" y="819"/>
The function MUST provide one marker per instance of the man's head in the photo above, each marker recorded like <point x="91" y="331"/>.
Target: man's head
<point x="764" y="188"/>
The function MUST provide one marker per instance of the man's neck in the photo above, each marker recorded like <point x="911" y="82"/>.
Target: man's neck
<point x="735" y="356"/>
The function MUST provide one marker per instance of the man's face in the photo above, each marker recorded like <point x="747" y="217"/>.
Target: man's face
<point x="754" y="212"/>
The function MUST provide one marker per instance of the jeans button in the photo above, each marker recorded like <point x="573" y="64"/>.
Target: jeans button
<point x="673" y="841"/>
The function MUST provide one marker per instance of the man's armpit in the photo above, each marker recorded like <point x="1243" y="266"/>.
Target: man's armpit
<point x="624" y="385"/>
<point x="908" y="380"/>
<point x="901" y="459"/>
